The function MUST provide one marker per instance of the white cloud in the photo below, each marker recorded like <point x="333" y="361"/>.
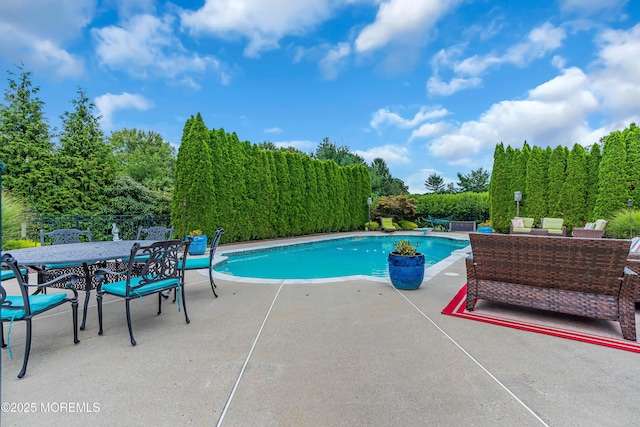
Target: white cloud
<point x="263" y="23"/>
<point x="401" y="20"/>
<point x="429" y="130"/>
<point x="273" y="130"/>
<point x="109" y="103"/>
<point x="384" y="116"/>
<point x="435" y="86"/>
<point x="617" y="79"/>
<point x="146" y="44"/>
<point x="35" y="32"/>
<point x="334" y="60"/>
<point x="554" y="113"/>
<point x="540" y="41"/>
<point x="392" y="154"/>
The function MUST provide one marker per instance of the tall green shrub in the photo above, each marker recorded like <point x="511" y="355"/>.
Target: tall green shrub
<point x="557" y="176"/>
<point x="536" y="201"/>
<point x="500" y="196"/>
<point x="193" y="196"/>
<point x="593" y="171"/>
<point x="572" y="202"/>
<point x="613" y="190"/>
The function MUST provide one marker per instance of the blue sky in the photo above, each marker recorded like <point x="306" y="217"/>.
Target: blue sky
<point x="431" y="86"/>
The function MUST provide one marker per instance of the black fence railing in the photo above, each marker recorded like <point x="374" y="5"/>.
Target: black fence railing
<point x="101" y="226"/>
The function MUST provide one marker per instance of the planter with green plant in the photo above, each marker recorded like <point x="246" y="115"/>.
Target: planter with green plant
<point x="406" y="266"/>
<point x="485" y="227"/>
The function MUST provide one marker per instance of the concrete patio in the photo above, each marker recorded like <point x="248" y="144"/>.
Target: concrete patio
<point x="339" y="353"/>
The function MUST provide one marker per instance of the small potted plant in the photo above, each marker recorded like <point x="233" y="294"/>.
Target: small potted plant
<point x="406" y="265"/>
<point x="198" y="242"/>
<point x="485" y="227"/>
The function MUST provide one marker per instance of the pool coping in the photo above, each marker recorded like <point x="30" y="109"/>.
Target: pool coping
<point x="428" y="273"/>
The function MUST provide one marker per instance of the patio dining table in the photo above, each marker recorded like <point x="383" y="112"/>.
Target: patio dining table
<point x="79" y="258"/>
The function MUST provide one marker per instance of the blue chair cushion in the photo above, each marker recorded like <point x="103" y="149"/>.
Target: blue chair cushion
<point x="120" y="288"/>
<point x="195" y="263"/>
<point x="8" y="274"/>
<point x="36" y="302"/>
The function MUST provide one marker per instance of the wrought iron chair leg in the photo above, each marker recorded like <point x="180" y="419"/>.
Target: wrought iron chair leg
<point x="184" y="306"/>
<point x="175" y="295"/>
<point x="27" y="350"/>
<point x="99" y="301"/>
<point x="133" y="341"/>
<point x="84" y="311"/>
<point x="74" y="313"/>
<point x="4" y="345"/>
<point x="212" y="283"/>
<point x="160" y="302"/>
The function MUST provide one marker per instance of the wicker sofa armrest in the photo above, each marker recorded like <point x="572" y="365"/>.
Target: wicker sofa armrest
<point x="588" y="233"/>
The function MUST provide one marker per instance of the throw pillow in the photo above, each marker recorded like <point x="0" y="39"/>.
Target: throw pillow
<point x="517" y="223"/>
<point x="635" y="246"/>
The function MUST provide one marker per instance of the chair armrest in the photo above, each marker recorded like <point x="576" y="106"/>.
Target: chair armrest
<point x="71" y="280"/>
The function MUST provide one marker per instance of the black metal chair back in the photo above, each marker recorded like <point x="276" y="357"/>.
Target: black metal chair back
<point x="64" y="236"/>
<point x="155" y="233"/>
<point x="161" y="270"/>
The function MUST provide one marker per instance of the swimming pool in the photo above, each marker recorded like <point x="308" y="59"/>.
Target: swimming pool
<point x="348" y="256"/>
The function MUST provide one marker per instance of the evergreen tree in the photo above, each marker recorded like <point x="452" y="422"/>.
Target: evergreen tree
<point x="557" y="176"/>
<point x="500" y="197"/>
<point x="573" y="198"/>
<point x="435" y="184"/>
<point x="193" y="204"/>
<point x="84" y="160"/>
<point x="520" y="176"/>
<point x="25" y="143"/>
<point x="613" y="180"/>
<point x="631" y="137"/>
<point x="536" y="188"/>
<point x="593" y="171"/>
<point x="476" y="181"/>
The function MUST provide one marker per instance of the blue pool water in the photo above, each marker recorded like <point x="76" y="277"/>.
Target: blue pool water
<point x="332" y="258"/>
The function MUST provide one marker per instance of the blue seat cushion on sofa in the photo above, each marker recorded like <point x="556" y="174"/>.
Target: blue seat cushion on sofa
<point x="195" y="263"/>
<point x="120" y="288"/>
<point x="8" y="274"/>
<point x="36" y="302"/>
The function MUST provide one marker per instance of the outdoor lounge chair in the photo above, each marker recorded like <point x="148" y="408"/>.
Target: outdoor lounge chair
<point x="440" y="223"/>
<point x="521" y="225"/>
<point x="554" y="226"/>
<point x="206" y="262"/>
<point x="591" y="229"/>
<point x="25" y="307"/>
<point x="162" y="271"/>
<point x="386" y="224"/>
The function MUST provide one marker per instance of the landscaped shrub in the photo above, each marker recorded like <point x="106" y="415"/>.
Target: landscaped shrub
<point x="407" y="225"/>
<point x="618" y="227"/>
<point x="463" y="207"/>
<point x="18" y="244"/>
<point x="397" y="207"/>
<point x="373" y="226"/>
<point x="14" y="213"/>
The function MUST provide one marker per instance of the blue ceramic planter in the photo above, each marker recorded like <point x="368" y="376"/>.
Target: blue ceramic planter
<point x="485" y="229"/>
<point x="198" y="244"/>
<point x="406" y="272"/>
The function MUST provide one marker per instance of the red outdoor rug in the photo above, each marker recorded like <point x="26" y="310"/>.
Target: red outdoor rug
<point x="577" y="328"/>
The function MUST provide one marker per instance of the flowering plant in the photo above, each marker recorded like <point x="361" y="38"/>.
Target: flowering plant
<point x="195" y="233"/>
<point x="486" y="223"/>
<point x="405" y="248"/>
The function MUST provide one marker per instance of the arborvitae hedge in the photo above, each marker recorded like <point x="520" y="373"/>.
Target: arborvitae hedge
<point x="576" y="186"/>
<point x="257" y="194"/>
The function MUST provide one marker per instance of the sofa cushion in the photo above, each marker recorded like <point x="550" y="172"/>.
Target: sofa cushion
<point x="600" y="224"/>
<point x="552" y="223"/>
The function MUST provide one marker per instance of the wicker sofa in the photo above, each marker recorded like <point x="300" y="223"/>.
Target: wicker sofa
<point x="585" y="277"/>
